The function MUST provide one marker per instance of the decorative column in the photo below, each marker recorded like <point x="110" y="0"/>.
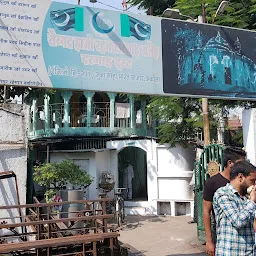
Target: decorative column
<point x="143" y="114"/>
<point x="112" y="97"/>
<point x="132" y="115"/>
<point x="29" y="107"/>
<point x="89" y="96"/>
<point x="66" y="95"/>
<point x="34" y="107"/>
<point x="46" y="112"/>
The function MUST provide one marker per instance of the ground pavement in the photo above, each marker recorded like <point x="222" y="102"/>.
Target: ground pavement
<point x="161" y="236"/>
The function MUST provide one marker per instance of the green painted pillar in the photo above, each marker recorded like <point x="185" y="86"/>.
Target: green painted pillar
<point x="89" y="96"/>
<point x="132" y="114"/>
<point x="34" y="107"/>
<point x="29" y="117"/>
<point x="56" y="111"/>
<point x="112" y="97"/>
<point x="143" y="113"/>
<point x="46" y="112"/>
<point x="66" y="95"/>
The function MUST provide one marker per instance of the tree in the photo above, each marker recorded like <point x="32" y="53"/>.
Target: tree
<point x="157" y="6"/>
<point x="56" y="176"/>
<point x="238" y="13"/>
<point x="178" y="118"/>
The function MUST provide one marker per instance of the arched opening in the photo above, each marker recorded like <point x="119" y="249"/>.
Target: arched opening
<point x="78" y="110"/>
<point x="101" y="110"/>
<point x="132" y="173"/>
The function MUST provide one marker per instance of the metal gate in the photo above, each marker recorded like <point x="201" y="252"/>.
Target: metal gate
<point x="210" y="153"/>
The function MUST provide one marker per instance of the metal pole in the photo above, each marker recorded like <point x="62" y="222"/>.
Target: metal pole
<point x="48" y="153"/>
<point x="124" y="4"/>
<point x="205" y="105"/>
<point x="151" y="11"/>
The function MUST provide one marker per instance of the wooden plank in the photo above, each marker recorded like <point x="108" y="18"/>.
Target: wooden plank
<point x="60" y="241"/>
<point x="60" y="225"/>
<point x="82" y="218"/>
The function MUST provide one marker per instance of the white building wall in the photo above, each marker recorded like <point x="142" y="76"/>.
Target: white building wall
<point x="175" y="171"/>
<point x="13" y="157"/>
<point x="249" y="133"/>
<point x="169" y="170"/>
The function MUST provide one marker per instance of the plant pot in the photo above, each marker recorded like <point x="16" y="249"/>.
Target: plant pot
<point x="72" y="210"/>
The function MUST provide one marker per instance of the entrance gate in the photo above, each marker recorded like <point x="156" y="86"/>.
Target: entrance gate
<point x="211" y="153"/>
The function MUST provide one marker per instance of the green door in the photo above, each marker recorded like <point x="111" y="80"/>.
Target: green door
<point x="210" y="153"/>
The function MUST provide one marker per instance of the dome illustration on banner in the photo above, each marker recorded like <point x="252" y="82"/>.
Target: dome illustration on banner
<point x="100" y="24"/>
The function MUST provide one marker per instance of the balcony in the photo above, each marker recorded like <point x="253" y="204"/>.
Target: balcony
<point x="86" y="117"/>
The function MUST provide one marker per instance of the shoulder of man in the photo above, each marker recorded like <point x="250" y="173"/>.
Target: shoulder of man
<point x="221" y="191"/>
<point x="211" y="180"/>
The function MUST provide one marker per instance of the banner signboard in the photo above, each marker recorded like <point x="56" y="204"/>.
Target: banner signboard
<point x="57" y="45"/>
<point x="206" y="60"/>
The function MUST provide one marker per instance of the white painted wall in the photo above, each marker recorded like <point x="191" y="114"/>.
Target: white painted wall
<point x="170" y="171"/>
<point x="175" y="171"/>
<point x="12" y="125"/>
<point x="13" y="160"/>
<point x="13" y="157"/>
<point x="249" y="133"/>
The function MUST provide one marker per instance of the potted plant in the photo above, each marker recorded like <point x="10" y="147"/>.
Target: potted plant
<point x="58" y="176"/>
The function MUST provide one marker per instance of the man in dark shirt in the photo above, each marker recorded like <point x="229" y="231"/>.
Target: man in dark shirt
<point x="230" y="156"/>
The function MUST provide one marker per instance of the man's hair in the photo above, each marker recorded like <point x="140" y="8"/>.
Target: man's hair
<point x="233" y="154"/>
<point x="242" y="167"/>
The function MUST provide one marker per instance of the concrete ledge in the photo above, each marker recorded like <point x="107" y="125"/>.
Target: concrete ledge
<point x="173" y="205"/>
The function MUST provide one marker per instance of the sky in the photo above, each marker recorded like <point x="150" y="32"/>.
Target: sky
<point x="115" y="3"/>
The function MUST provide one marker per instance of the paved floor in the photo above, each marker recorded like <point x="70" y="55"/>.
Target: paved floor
<point x="161" y="236"/>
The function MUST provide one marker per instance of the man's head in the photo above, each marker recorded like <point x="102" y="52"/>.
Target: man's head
<point x="233" y="155"/>
<point x="243" y="175"/>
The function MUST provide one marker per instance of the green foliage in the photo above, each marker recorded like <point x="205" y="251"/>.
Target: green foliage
<point x="56" y="176"/>
<point x="178" y="118"/>
<point x="157" y="6"/>
<point x="238" y="13"/>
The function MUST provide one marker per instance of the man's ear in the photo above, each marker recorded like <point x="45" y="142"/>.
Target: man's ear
<point x="230" y="162"/>
<point x="240" y="176"/>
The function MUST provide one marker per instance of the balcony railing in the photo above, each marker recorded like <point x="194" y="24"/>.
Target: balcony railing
<point x="78" y="116"/>
<point x="56" y="120"/>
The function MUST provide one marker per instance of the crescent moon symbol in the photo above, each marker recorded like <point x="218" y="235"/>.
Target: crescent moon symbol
<point x="65" y="22"/>
<point x="136" y="27"/>
<point x="98" y="28"/>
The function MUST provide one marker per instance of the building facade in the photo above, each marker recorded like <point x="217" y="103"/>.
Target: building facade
<point x="104" y="132"/>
